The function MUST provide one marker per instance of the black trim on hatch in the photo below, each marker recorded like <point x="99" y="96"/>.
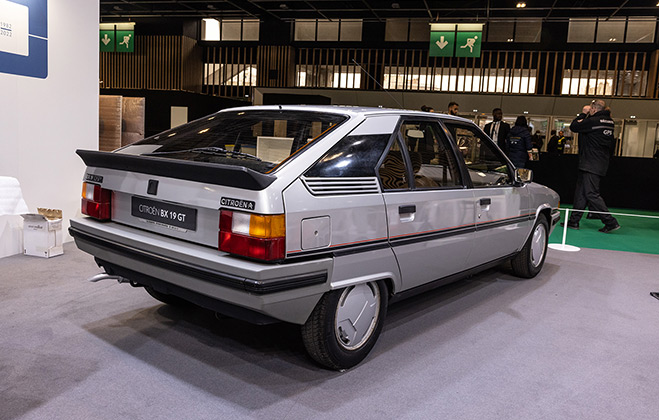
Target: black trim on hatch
<point x="223" y="279"/>
<point x="209" y="173"/>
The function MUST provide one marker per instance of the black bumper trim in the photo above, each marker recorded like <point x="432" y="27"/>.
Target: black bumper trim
<point x="202" y="273"/>
<point x="224" y="308"/>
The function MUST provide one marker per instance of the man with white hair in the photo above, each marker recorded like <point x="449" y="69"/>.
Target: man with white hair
<point x="596" y="146"/>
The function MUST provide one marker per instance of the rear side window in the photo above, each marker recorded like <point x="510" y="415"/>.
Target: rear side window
<point x="259" y="140"/>
<point x="353" y="156"/>
<point x="485" y="162"/>
<point x="433" y="162"/>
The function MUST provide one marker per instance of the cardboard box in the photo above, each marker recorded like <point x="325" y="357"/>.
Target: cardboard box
<point x="42" y="233"/>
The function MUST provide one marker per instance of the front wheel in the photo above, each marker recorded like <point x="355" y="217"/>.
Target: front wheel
<point x="345" y="324"/>
<point x="531" y="258"/>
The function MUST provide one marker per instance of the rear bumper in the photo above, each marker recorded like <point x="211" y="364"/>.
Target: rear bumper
<point x="286" y="292"/>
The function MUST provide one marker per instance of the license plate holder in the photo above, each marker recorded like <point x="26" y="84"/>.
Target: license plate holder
<point x="160" y="212"/>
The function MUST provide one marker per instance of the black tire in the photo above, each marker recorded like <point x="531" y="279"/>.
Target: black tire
<point x="167" y="298"/>
<point x="326" y="337"/>
<point x="529" y="261"/>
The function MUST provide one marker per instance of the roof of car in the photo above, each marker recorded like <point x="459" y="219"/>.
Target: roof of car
<point x="344" y="109"/>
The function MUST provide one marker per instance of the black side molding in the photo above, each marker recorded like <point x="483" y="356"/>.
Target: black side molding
<point x="209" y="173"/>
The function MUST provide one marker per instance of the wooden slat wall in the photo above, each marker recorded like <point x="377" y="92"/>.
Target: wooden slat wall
<point x="177" y="63"/>
<point x="244" y="57"/>
<point x="192" y="65"/>
<point x="275" y="66"/>
<point x="159" y="62"/>
<point x="549" y="68"/>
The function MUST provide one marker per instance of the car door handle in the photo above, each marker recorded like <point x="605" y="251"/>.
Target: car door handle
<point x="407" y="209"/>
<point x="486" y="201"/>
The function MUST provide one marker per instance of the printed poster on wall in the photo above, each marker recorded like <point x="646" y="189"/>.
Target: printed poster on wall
<point x="24" y="37"/>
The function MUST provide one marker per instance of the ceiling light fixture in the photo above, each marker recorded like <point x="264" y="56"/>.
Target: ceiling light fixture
<point x="521" y="5"/>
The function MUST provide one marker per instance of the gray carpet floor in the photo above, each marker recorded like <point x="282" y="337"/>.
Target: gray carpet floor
<point x="580" y="341"/>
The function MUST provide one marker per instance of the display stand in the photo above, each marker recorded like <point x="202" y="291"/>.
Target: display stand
<point x="563" y="246"/>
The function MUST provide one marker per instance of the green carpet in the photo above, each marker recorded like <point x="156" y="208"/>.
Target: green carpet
<point x="637" y="234"/>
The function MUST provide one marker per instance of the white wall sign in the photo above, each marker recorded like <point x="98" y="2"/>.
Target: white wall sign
<point x="13" y="28"/>
<point x="24" y="37"/>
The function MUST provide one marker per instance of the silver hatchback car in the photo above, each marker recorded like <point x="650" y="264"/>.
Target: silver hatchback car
<point x="313" y="215"/>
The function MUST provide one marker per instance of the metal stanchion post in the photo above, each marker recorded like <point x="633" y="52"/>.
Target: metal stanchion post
<point x="562" y="246"/>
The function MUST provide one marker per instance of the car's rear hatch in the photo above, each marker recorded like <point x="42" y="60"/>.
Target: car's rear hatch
<point x="178" y="182"/>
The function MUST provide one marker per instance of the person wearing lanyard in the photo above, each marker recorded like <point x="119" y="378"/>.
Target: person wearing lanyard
<point x="498" y="130"/>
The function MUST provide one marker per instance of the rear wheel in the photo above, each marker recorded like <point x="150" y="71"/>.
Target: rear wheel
<point x="345" y="325"/>
<point x="531" y="258"/>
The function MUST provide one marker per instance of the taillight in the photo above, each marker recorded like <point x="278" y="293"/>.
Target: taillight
<point x="96" y="201"/>
<point x="253" y="235"/>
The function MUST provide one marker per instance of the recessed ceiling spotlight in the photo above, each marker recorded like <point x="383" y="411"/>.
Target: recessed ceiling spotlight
<point x="612" y="39"/>
<point x="521" y="5"/>
<point x="509" y="40"/>
<point x="632" y="116"/>
<point x="283" y="6"/>
<point x="117" y="8"/>
<point x="395" y="6"/>
<point x="210" y="6"/>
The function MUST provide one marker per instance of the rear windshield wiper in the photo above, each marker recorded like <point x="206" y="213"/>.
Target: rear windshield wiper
<point x="216" y="151"/>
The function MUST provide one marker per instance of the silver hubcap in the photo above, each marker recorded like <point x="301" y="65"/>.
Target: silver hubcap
<point x="538" y="244"/>
<point x="357" y="315"/>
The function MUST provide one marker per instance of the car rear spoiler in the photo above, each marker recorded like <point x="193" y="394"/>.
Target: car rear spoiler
<point x="209" y="173"/>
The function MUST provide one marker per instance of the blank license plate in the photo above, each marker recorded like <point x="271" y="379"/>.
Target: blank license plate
<point x="165" y="213"/>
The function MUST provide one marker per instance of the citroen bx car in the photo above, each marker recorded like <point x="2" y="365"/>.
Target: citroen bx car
<point x="313" y="215"/>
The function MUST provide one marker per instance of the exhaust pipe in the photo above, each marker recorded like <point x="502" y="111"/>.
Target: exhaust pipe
<point x="106" y="276"/>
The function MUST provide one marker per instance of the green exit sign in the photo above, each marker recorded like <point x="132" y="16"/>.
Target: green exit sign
<point x="442" y="44"/>
<point x="119" y="37"/>
<point x="468" y="44"/>
<point x="455" y="40"/>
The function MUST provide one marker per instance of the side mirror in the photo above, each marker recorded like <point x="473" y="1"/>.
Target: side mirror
<point x="523" y="175"/>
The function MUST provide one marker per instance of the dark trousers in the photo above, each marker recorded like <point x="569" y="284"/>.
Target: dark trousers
<point x="588" y="193"/>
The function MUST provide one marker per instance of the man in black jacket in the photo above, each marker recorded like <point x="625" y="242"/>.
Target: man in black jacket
<point x="497" y="129"/>
<point x="596" y="145"/>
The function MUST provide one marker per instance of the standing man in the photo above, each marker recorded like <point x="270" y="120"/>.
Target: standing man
<point x="536" y="140"/>
<point x="596" y="146"/>
<point x="556" y="144"/>
<point x="497" y="129"/>
<point x="453" y="108"/>
<point x="518" y="143"/>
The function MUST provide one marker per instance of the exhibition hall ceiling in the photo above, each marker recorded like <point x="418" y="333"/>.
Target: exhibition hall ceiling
<point x="370" y="10"/>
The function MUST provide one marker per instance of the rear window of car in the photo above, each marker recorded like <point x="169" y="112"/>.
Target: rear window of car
<point x="259" y="140"/>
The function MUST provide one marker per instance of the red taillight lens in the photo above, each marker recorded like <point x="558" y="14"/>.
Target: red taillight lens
<point x="96" y="201"/>
<point x="253" y="236"/>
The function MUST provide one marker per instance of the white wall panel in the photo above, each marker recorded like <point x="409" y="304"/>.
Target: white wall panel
<point x="43" y="121"/>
